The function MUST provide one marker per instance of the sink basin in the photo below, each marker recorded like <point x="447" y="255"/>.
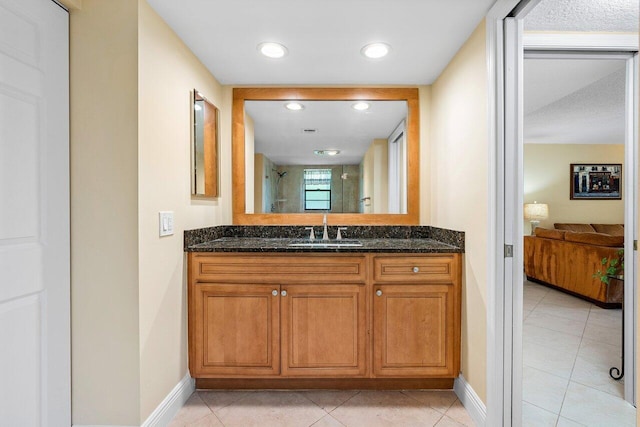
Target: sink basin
<point x="344" y="243"/>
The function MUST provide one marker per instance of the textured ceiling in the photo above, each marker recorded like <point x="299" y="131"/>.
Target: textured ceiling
<point x="593" y="114"/>
<point x="549" y="80"/>
<point x="584" y="15"/>
<point x="577" y="101"/>
<point x="324" y="38"/>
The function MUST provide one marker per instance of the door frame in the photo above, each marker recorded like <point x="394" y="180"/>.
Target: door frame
<point x="504" y="384"/>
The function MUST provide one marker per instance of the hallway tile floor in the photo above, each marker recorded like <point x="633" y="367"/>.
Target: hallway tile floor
<point x="568" y="346"/>
<point x="323" y="408"/>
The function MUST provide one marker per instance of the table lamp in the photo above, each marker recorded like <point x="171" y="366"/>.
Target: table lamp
<point x="534" y="212"/>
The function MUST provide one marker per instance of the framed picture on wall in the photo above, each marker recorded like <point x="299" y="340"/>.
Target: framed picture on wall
<point x="596" y="181"/>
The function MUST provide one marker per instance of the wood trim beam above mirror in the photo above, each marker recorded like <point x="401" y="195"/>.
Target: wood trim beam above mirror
<point x="410" y="95"/>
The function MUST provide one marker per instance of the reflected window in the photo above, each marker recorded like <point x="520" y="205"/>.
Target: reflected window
<point x="317" y="189"/>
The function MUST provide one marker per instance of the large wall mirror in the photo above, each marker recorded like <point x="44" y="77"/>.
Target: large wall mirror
<point x="348" y="153"/>
<point x="204" y="148"/>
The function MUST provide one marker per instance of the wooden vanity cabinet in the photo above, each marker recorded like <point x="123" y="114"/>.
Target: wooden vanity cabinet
<point x="344" y="316"/>
<point x="272" y="315"/>
<point x="416" y="316"/>
<point x="324" y="330"/>
<point x="235" y="329"/>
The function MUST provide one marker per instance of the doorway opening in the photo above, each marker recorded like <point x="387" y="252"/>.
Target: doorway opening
<point x="573" y="156"/>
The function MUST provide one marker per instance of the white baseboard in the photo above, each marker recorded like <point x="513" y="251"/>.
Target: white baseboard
<point x="168" y="408"/>
<point x="470" y="400"/>
<point x="171" y="404"/>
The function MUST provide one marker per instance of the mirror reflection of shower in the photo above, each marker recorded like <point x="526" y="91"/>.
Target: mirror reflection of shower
<point x="277" y="206"/>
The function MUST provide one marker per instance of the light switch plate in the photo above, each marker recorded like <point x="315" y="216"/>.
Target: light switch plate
<point x="166" y="223"/>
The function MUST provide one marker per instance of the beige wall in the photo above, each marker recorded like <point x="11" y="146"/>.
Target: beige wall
<point x="104" y="213"/>
<point x="168" y="72"/>
<point x="375" y="171"/>
<point x="459" y="150"/>
<point x="259" y="178"/>
<point x="131" y="79"/>
<point x="249" y="168"/>
<point x="425" y="155"/>
<point x="546" y="180"/>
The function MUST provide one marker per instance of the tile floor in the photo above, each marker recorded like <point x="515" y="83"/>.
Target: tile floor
<point x="323" y="408"/>
<point x="569" y="345"/>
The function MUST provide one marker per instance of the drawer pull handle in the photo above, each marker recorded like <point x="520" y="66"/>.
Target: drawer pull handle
<point x="283" y="293"/>
<point x="274" y="293"/>
<point x="416" y="269"/>
<point x="379" y="292"/>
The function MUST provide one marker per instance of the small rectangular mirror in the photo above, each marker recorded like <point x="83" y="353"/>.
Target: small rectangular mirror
<point x="204" y="162"/>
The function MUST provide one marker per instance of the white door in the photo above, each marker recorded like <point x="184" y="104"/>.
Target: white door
<point x="34" y="214"/>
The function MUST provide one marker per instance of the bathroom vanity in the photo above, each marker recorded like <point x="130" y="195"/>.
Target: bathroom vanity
<point x="266" y="314"/>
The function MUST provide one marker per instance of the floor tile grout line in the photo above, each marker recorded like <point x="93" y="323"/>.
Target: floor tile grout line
<point x="225" y="406"/>
<point x="540" y="407"/>
<point x="218" y="418"/>
<point x="561" y="332"/>
<point x="596" y="389"/>
<point x="319" y="419"/>
<point x="328" y="415"/>
<point x="429" y="406"/>
<point x="301" y="393"/>
<point x="357" y="393"/>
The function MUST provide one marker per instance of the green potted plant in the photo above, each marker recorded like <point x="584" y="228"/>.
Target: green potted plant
<point x="611" y="268"/>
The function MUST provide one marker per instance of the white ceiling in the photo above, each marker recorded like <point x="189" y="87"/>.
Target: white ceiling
<point x="324" y="38"/>
<point x="279" y="132"/>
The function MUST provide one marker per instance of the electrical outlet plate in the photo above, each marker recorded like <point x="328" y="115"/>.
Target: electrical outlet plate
<point x="166" y="223"/>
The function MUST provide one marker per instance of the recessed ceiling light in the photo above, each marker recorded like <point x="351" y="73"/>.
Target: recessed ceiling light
<point x="294" y="106"/>
<point x="272" y="49"/>
<point x="375" y="50"/>
<point x="361" y="106"/>
<point x="326" y="152"/>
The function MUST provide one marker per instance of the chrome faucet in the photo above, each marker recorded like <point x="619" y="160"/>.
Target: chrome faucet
<point x="339" y="235"/>
<point x="325" y="235"/>
<point x="312" y="236"/>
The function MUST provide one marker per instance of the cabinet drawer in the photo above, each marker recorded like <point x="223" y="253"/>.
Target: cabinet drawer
<point x="261" y="268"/>
<point x="414" y="269"/>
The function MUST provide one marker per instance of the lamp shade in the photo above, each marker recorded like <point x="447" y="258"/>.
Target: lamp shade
<point x="536" y="211"/>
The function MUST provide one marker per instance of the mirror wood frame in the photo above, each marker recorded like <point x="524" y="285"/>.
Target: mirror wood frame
<point x="410" y="95"/>
<point x="210" y="143"/>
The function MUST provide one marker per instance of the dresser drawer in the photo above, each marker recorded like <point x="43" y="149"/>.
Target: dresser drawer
<point x="413" y="269"/>
<point x="264" y="268"/>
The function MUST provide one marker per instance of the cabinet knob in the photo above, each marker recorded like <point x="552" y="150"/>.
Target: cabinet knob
<point x="283" y="293"/>
<point x="274" y="293"/>
<point x="416" y="269"/>
<point x="379" y="292"/>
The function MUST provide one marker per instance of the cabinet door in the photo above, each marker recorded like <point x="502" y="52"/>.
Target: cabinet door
<point x="236" y="329"/>
<point x="323" y="330"/>
<point x="414" y="330"/>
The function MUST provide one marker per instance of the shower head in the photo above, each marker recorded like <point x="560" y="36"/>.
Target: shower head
<point x="282" y="174"/>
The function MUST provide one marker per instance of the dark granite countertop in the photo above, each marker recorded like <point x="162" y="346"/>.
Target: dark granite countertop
<point x="388" y="239"/>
